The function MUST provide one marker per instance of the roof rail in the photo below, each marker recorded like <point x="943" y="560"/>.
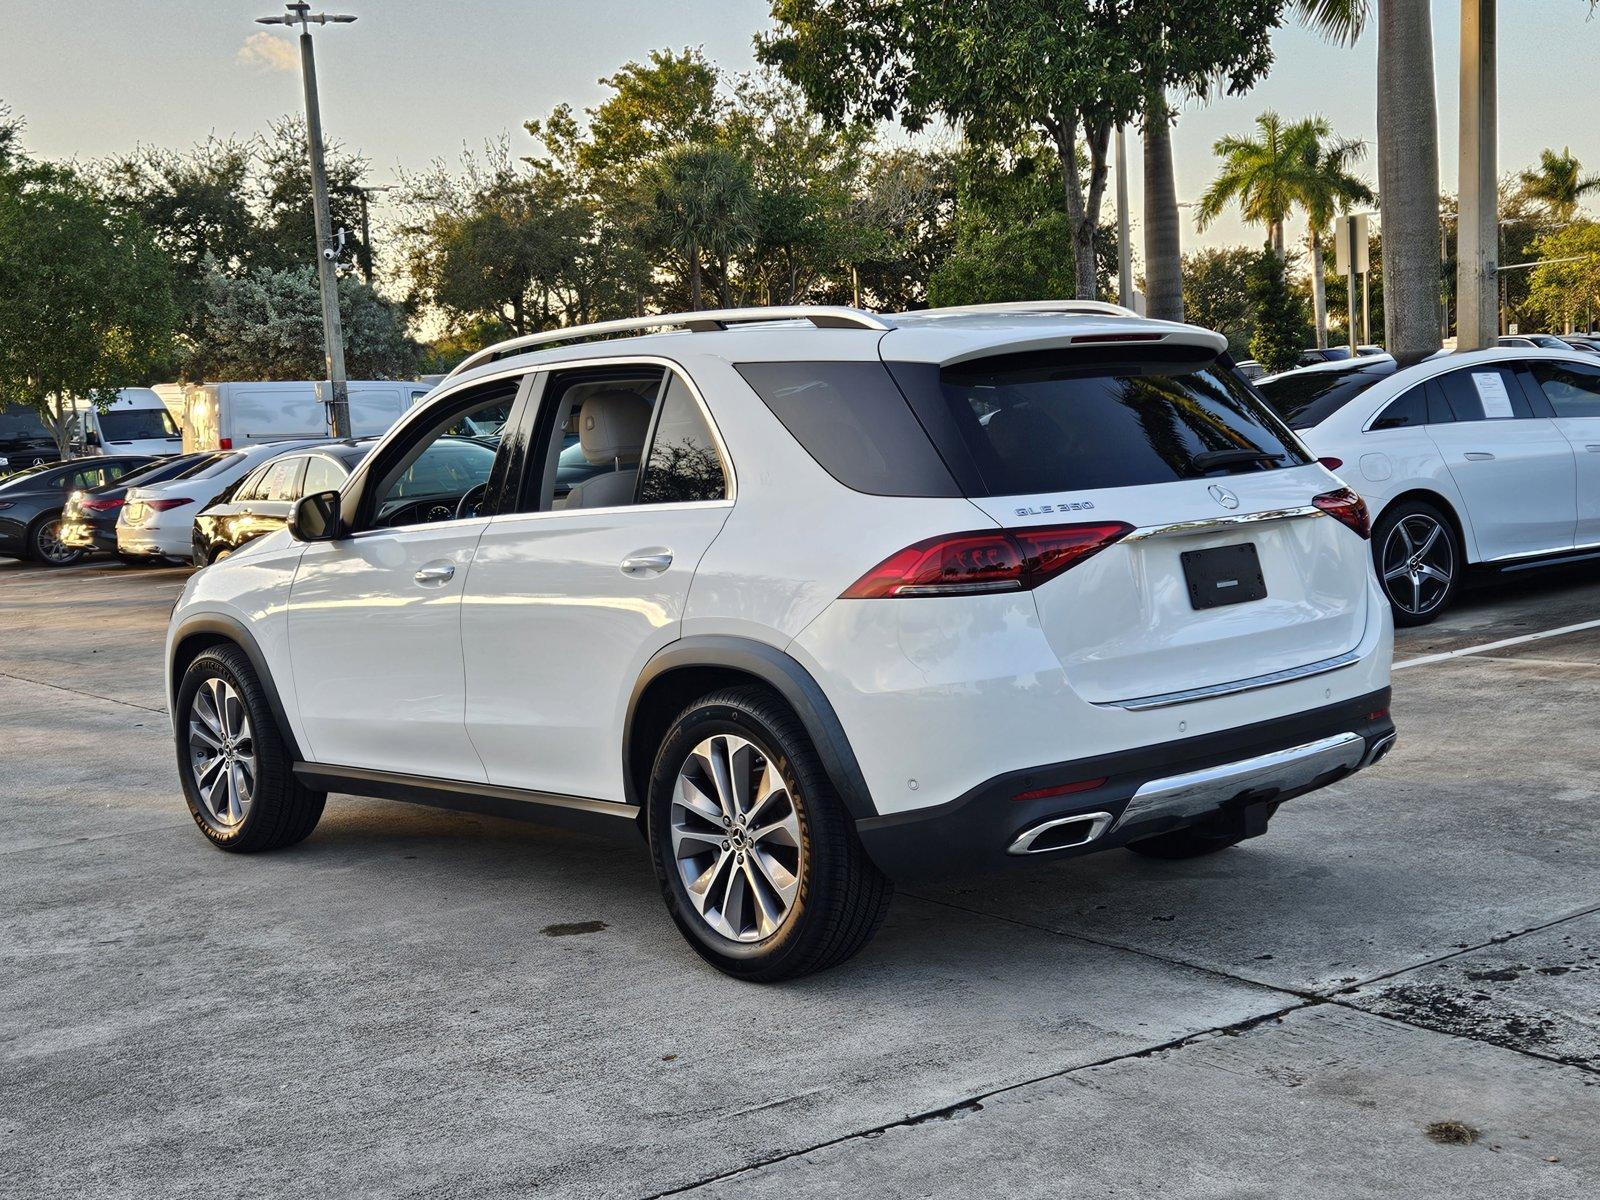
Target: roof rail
<point x="822" y="316"/>
<point x="1098" y="308"/>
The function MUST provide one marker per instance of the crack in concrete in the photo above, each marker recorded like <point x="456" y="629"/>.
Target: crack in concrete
<point x="81" y="692"/>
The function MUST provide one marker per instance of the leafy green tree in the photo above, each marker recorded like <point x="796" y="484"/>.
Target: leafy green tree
<point x="268" y="325"/>
<point x="1216" y="285"/>
<point x="1566" y="293"/>
<point x="286" y="226"/>
<point x="1326" y="187"/>
<point x="1063" y="68"/>
<point x="671" y="100"/>
<point x="704" y="206"/>
<point x="1282" y="325"/>
<point x="1260" y="174"/>
<point x="86" y="302"/>
<point x="1559" y="184"/>
<point x="899" y="229"/>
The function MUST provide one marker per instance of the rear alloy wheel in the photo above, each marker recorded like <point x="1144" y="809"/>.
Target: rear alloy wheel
<point x="1419" y="561"/>
<point x="237" y="772"/>
<point x="48" y="547"/>
<point x="757" y="859"/>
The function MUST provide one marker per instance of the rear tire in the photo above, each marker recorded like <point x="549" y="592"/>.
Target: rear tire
<point x="1419" y="561"/>
<point x="233" y="761"/>
<point x="200" y="556"/>
<point x="44" y="543"/>
<point x="789" y="890"/>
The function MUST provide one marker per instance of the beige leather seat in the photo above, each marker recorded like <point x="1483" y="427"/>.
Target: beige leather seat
<point x="611" y="429"/>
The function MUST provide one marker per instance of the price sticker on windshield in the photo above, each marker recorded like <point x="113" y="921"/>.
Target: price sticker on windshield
<point x="1492" y="394"/>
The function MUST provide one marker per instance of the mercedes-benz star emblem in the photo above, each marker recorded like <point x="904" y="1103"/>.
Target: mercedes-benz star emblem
<point x="1223" y="496"/>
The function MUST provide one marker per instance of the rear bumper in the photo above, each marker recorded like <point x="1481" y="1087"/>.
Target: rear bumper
<point x="1213" y="778"/>
<point x="153" y="542"/>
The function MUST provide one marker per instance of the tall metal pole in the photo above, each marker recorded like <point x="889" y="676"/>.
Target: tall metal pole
<point x="1366" y="306"/>
<point x="1350" y="283"/>
<point x="327" y="277"/>
<point x="1124" y="245"/>
<point x="1477" y="228"/>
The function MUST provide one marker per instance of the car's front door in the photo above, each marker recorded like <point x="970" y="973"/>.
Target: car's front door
<point x="1573" y="392"/>
<point x="573" y="593"/>
<point x="1512" y="466"/>
<point x="375" y="617"/>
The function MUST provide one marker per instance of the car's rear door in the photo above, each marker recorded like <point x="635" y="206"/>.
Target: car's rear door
<point x="1511" y="464"/>
<point x="566" y="602"/>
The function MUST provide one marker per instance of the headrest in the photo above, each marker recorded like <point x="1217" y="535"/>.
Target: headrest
<point x="611" y="427"/>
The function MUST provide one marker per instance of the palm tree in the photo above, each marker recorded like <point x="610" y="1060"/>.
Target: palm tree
<point x="1558" y="184"/>
<point x="1261" y="174"/>
<point x="704" y="204"/>
<point x="1326" y="187"/>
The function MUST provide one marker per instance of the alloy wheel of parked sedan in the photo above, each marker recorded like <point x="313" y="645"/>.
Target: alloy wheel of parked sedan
<point x="47" y="544"/>
<point x="222" y="753"/>
<point x="736" y="838"/>
<point x="1418" y="563"/>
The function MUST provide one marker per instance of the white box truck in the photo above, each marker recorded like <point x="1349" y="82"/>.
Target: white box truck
<point x="231" y="416"/>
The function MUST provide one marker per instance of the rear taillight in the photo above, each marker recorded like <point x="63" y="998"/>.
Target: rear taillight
<point x="164" y="505"/>
<point x="1347" y="508"/>
<point x="100" y="505"/>
<point x="1333" y="464"/>
<point x="986" y="560"/>
<point x="225" y="443"/>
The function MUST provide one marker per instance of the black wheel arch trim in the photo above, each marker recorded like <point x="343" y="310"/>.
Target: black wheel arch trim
<point x="219" y="627"/>
<point x="785" y="676"/>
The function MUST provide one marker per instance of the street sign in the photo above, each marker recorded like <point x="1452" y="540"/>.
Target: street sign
<point x="1341" y="244"/>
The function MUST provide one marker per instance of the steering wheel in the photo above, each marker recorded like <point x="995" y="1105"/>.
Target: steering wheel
<point x="467" y="506"/>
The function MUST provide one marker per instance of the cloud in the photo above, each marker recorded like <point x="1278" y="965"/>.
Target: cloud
<point x="265" y="52"/>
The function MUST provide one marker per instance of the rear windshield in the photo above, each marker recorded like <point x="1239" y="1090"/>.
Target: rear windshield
<point x="1056" y="420"/>
<point x="1307" y="398"/>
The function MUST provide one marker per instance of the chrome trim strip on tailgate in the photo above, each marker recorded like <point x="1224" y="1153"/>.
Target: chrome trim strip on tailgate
<point x="1211" y="691"/>
<point x="1210" y="524"/>
<point x="1280" y="771"/>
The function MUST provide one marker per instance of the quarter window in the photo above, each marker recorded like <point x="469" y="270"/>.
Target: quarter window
<point x="1407" y="412"/>
<point x="684" y="464"/>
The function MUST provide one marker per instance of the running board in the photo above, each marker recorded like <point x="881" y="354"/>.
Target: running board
<point x="487" y="799"/>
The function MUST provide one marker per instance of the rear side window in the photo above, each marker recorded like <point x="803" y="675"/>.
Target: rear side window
<point x="1483" y="394"/>
<point x="854" y="421"/>
<point x="1304" y="399"/>
<point x="683" y="464"/>
<point x="1045" y="422"/>
<point x="323" y="475"/>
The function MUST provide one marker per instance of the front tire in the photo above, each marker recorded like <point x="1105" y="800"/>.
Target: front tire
<point x="1419" y="561"/>
<point x="45" y="545"/>
<point x="235" y="766"/>
<point x="756" y="857"/>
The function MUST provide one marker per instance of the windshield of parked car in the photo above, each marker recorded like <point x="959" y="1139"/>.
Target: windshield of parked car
<point x="22" y="424"/>
<point x="1305" y="399"/>
<point x="138" y="424"/>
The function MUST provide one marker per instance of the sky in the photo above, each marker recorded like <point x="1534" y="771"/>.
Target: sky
<point x="411" y="82"/>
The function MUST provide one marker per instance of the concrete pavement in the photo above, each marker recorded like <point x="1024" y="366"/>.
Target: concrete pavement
<point x="415" y="1003"/>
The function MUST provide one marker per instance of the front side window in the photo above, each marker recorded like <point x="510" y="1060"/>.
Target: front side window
<point x="1573" y="391"/>
<point x="684" y="464"/>
<point x="443" y="474"/>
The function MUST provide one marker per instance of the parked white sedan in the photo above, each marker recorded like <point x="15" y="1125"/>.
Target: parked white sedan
<point x="1490" y="457"/>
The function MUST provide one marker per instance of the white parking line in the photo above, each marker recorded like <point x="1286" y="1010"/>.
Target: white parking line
<point x="1500" y="645"/>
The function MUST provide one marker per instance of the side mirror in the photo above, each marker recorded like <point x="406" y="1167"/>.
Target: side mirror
<point x="91" y="438"/>
<point x="316" y="518"/>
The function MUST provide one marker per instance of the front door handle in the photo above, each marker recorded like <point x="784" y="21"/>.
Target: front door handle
<point x="647" y="563"/>
<point x="437" y="573"/>
<point x="1478" y="456"/>
<point x="1592" y="448"/>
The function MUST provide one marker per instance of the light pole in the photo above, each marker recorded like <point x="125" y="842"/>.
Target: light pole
<point x="1477" y="236"/>
<point x="1124" y="246"/>
<point x="332" y="335"/>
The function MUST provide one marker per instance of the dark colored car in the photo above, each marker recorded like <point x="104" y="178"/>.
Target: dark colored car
<point x="24" y="441"/>
<point x="31" y="503"/>
<point x="89" y="520"/>
<point x="261" y="502"/>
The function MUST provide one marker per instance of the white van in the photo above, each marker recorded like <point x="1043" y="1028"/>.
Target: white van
<point x="230" y="416"/>
<point x="136" y="422"/>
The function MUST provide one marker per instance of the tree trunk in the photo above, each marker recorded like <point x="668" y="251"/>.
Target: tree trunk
<point x="1083" y="212"/>
<point x="1319" y="289"/>
<point x="1163" y="265"/>
<point x="694" y="278"/>
<point x="1408" y="179"/>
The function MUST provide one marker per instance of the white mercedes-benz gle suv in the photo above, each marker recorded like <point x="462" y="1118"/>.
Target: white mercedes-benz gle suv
<point x="845" y="599"/>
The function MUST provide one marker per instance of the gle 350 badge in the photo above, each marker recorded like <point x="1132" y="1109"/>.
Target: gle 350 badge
<point x="1064" y="506"/>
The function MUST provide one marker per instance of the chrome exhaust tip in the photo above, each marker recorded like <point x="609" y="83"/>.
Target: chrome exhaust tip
<point x="1378" y="749"/>
<point x="1061" y="833"/>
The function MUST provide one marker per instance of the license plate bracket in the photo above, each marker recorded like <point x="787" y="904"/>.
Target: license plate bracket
<point x="1223" y="575"/>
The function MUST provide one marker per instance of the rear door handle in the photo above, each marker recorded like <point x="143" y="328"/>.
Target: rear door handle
<point x="1592" y="448"/>
<point x="1478" y="456"/>
<point x="651" y="563"/>
<point x="436" y="573"/>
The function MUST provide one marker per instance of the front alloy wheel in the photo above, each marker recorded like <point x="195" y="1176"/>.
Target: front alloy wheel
<point x="736" y="838"/>
<point x="1418" y="565"/>
<point x="222" y="753"/>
